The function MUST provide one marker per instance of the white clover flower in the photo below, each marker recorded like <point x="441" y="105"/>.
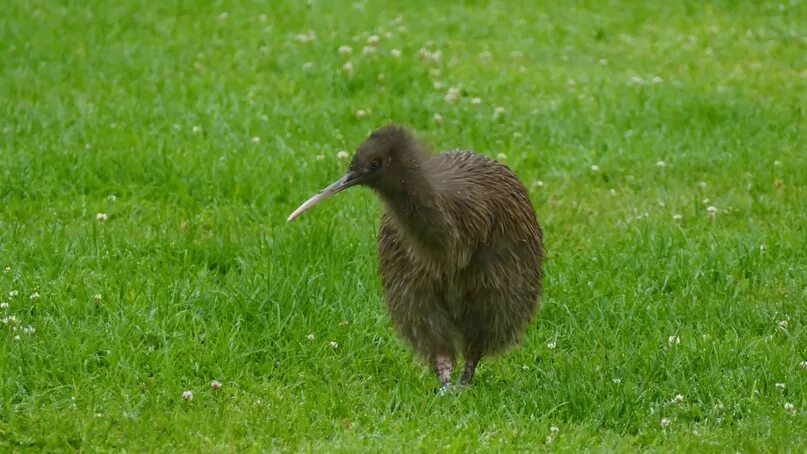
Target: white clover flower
<point x="453" y="95"/>
<point x="711" y="210"/>
<point x="803" y="365"/>
<point x="348" y="68"/>
<point x="187" y="395"/>
<point x="781" y="386"/>
<point x="603" y="61"/>
<point x="215" y="384"/>
<point x="790" y="408"/>
<point x="345" y="50"/>
<point x="595" y="168"/>
<point x="196" y="129"/>
<point x="777" y="163"/>
<point x="783" y="324"/>
<point x="256" y="140"/>
<point x="673" y="340"/>
<point x="551" y="345"/>
<point x="428" y="56"/>
<point x="554" y="429"/>
<point x="498" y="112"/>
<point x="34" y="296"/>
<point x="373" y="40"/>
<point x="636" y="80"/>
<point x="101" y="217"/>
<point x="369" y="50"/>
<point x="333" y="344"/>
<point x="661" y="164"/>
<point x="28" y="330"/>
<point x="476" y="101"/>
<point x="342" y="155"/>
<point x="538" y="183"/>
<point x="395" y="53"/>
<point x="3" y="305"/>
<point x="677" y="217"/>
<point x="678" y="399"/>
<point x="665" y="422"/>
<point x="437" y="119"/>
<point x="656" y="80"/>
<point x="13" y="294"/>
<point x="702" y="184"/>
<point x="361" y="113"/>
<point x="310" y="337"/>
<point x="617" y="381"/>
<point x="96" y="298"/>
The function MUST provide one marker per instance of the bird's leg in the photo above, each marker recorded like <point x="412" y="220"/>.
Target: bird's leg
<point x="469" y="368"/>
<point x="443" y="366"/>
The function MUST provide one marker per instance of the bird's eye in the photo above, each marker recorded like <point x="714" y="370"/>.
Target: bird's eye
<point x="375" y="164"/>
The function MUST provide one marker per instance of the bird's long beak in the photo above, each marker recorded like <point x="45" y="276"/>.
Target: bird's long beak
<point x="350" y="179"/>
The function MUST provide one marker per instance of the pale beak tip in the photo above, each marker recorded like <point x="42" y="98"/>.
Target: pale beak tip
<point x="339" y="185"/>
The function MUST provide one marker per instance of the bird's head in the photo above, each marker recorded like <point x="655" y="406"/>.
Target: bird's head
<point x="382" y="162"/>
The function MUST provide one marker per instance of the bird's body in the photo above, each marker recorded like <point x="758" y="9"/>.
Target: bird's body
<point x="460" y="260"/>
<point x="460" y="249"/>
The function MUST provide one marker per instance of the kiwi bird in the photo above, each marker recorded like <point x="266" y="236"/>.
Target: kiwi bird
<point x="460" y="248"/>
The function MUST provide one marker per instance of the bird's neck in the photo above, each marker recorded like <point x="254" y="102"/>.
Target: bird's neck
<point x="415" y="206"/>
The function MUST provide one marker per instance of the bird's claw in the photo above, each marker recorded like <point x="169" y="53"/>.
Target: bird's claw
<point x="444" y="389"/>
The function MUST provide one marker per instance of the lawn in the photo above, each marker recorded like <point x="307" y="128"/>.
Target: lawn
<point x="150" y="153"/>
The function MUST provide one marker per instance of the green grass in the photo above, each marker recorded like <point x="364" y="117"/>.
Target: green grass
<point x="200" y="277"/>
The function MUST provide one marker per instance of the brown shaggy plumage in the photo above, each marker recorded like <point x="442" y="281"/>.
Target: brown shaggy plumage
<point x="460" y="248"/>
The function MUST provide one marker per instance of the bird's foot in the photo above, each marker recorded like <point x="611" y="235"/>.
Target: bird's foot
<point x="443" y="365"/>
<point x="463" y="382"/>
<point x="444" y="389"/>
<point x="468" y="371"/>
